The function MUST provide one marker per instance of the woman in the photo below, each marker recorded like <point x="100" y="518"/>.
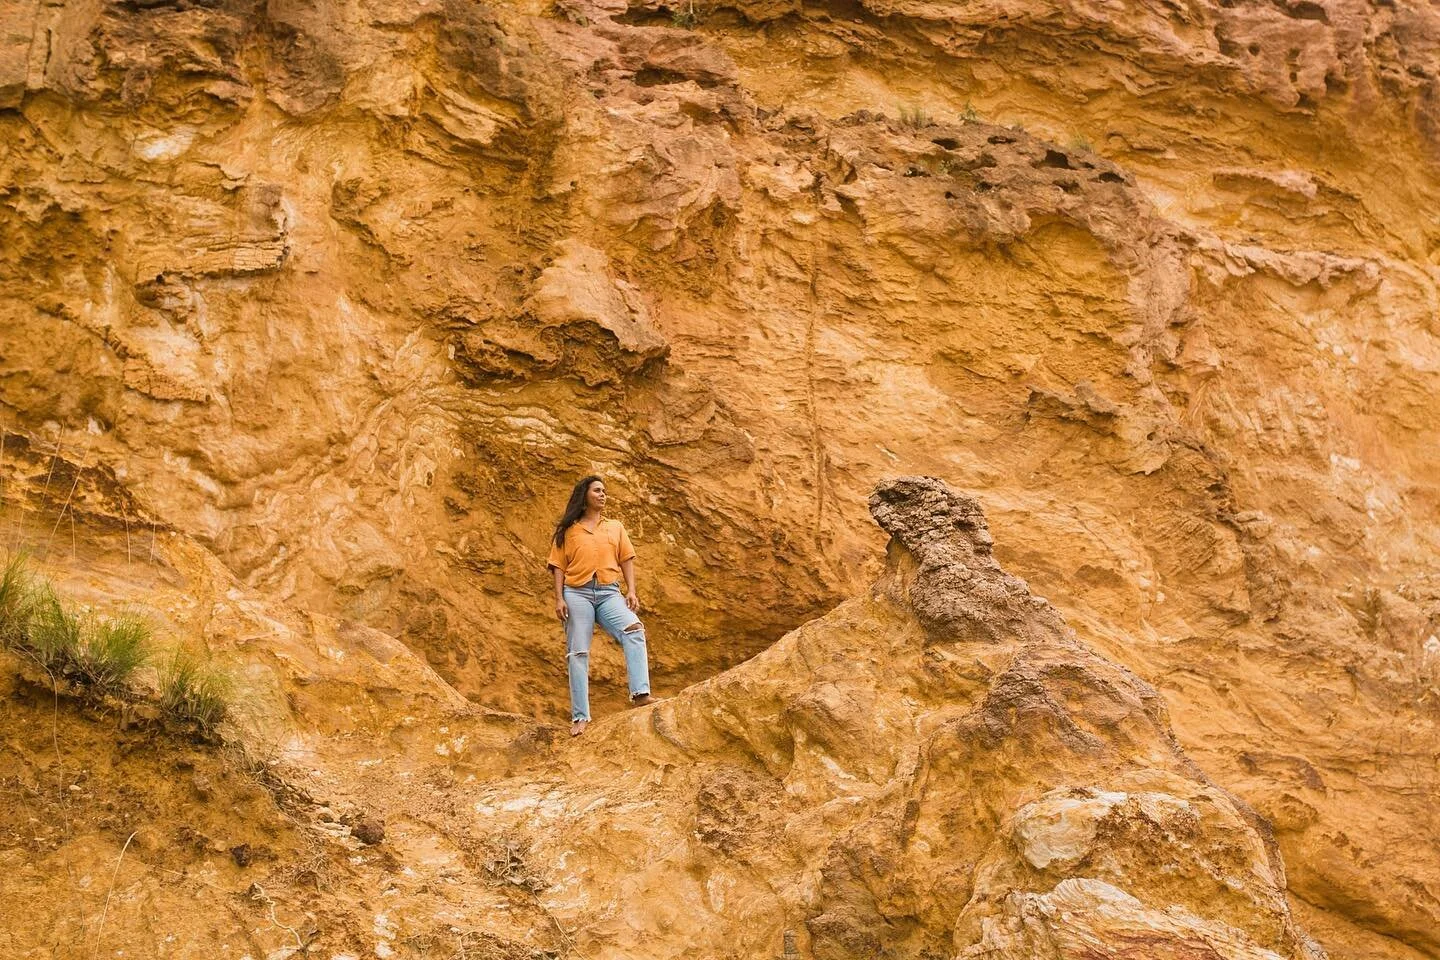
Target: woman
<point x="588" y="557"/>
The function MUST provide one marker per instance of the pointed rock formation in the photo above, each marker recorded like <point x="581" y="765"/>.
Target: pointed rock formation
<point x="936" y="769"/>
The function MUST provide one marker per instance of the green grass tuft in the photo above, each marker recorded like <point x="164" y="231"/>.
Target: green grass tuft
<point x="101" y="654"/>
<point x="196" y="690"/>
<point x="97" y="653"/>
<point x="55" y="633"/>
<point x="111" y="650"/>
<point x="17" y="601"/>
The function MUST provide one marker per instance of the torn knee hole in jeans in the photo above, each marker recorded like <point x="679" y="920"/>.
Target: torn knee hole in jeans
<point x="578" y="653"/>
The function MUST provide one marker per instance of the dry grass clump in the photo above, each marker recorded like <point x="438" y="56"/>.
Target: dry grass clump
<point x="685" y="16"/>
<point x="914" y="117"/>
<point x="195" y="690"/>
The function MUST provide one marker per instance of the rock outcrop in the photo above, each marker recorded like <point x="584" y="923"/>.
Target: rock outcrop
<point x="884" y="789"/>
<point x="867" y="784"/>
<point x="327" y="306"/>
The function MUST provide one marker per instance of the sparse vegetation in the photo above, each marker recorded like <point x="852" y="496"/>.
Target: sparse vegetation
<point x="505" y="861"/>
<point x="914" y="117"/>
<point x="52" y="635"/>
<point x="99" y="655"/>
<point x="194" y="690"/>
<point x="685" y="16"/>
<point x="17" y="600"/>
<point x="969" y="114"/>
<point x="112" y="649"/>
<point x="1079" y="143"/>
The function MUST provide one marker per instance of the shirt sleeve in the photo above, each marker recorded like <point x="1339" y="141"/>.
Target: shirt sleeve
<point x="625" y="550"/>
<point x="557" y="556"/>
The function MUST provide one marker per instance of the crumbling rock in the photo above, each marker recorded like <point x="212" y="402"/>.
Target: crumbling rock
<point x="959" y="591"/>
<point x="941" y="808"/>
<point x="368" y="830"/>
<point x="273" y="306"/>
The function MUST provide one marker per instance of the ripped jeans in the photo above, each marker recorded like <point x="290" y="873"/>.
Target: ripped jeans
<point x="606" y="604"/>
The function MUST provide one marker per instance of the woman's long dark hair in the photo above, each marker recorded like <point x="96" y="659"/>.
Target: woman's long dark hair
<point x="575" y="509"/>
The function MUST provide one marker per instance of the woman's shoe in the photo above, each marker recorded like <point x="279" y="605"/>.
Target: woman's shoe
<point x="578" y="727"/>
<point x="644" y="700"/>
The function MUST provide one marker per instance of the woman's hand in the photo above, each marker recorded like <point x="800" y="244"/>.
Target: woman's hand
<point x="562" y="610"/>
<point x="632" y="601"/>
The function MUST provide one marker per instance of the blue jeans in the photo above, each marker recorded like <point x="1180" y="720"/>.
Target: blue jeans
<point x="605" y="604"/>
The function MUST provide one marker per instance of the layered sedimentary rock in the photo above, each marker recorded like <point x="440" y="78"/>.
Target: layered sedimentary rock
<point x="343" y="299"/>
<point x="936" y="768"/>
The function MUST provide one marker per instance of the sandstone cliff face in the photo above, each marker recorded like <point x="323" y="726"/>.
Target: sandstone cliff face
<point x="935" y="769"/>
<point x="338" y="300"/>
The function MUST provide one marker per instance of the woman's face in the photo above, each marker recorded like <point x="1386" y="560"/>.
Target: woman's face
<point x="595" y="496"/>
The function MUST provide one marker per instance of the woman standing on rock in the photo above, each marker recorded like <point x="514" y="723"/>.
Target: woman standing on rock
<point x="588" y="557"/>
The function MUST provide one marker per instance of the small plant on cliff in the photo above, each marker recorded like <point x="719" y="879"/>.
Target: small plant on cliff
<point x="111" y="650"/>
<point x="685" y="16"/>
<point x="195" y="690"/>
<point x="1079" y="143"/>
<point x="55" y="633"/>
<point x="100" y="654"/>
<point x="17" y="601"/>
<point x="914" y="117"/>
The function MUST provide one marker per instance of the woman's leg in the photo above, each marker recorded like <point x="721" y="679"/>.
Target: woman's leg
<point x="621" y="623"/>
<point x="579" y="628"/>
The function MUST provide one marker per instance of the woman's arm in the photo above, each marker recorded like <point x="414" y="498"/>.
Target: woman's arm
<point x="627" y="567"/>
<point x="562" y="609"/>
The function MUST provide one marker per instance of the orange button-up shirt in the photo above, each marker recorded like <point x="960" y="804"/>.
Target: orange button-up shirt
<point x="595" y="554"/>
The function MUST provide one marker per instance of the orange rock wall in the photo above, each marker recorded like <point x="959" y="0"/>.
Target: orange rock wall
<point x="346" y="297"/>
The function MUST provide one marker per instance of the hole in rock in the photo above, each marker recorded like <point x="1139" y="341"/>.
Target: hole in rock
<point x="641" y="17"/>
<point x="657" y="77"/>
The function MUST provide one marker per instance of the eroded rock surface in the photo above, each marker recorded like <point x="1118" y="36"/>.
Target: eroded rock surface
<point x="865" y="784"/>
<point x="342" y="299"/>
